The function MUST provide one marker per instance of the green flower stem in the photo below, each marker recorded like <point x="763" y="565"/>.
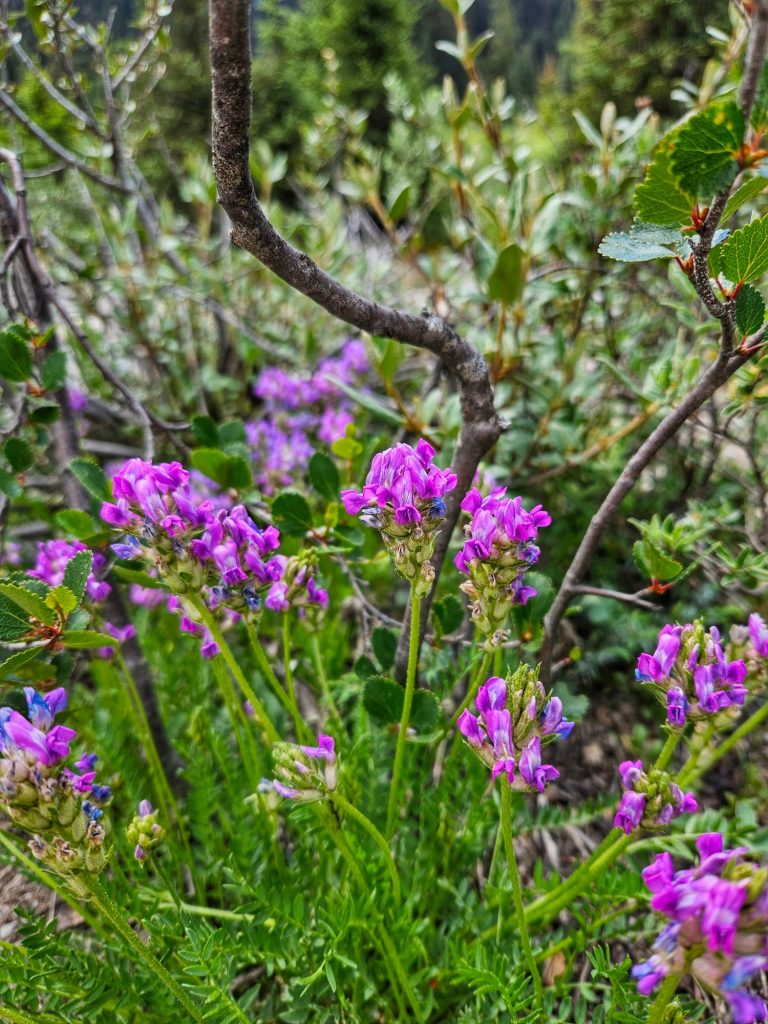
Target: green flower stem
<point x="698" y="745"/>
<point x="696" y="770"/>
<point x="234" y="667"/>
<point x="611" y="848"/>
<point x="162" y="788"/>
<point x="517" y="896"/>
<point x="474" y="685"/>
<point x="266" y="669"/>
<point x="668" y="749"/>
<point x="410" y="686"/>
<point x="378" y="932"/>
<point x="657" y="1012"/>
<point x="243" y="732"/>
<point x="322" y="676"/>
<point x="51" y="882"/>
<point x="114" y="915"/>
<point x="302" y="732"/>
<point x="592" y="928"/>
<point x="365" y="822"/>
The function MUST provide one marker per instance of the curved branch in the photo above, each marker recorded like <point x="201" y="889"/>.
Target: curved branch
<point x="230" y="33"/>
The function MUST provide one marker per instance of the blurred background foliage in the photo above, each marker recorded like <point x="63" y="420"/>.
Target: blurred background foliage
<point x="430" y="165"/>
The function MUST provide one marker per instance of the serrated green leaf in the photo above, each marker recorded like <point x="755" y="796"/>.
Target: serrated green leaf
<point x="629" y="248"/>
<point x="745" y="253"/>
<point x="53" y="372"/>
<point x="229" y="471"/>
<point x="77" y="572"/>
<point x="743" y="194"/>
<point x="659" y="199"/>
<point x="45" y="414"/>
<point x="205" y="431"/>
<point x="324" y="476"/>
<point x="449" y="612"/>
<point x="750" y="310"/>
<point x="364" y="667"/>
<point x="292" y="513"/>
<point x="18" y="659"/>
<point x="61" y="600"/>
<point x="28" y="601"/>
<point x="19" y="453"/>
<point x="654" y="563"/>
<point x="507" y="278"/>
<point x="702" y="157"/>
<point x="9" y="485"/>
<point x="77" y="524"/>
<point x="92" y="477"/>
<point x="383" y="699"/>
<point x="14" y="623"/>
<point x="86" y="639"/>
<point x="15" y="355"/>
<point x="384" y="643"/>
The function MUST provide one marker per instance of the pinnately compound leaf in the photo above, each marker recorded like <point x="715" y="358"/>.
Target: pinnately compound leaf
<point x="703" y="160"/>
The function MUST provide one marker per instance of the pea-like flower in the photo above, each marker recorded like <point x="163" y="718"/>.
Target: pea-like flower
<point x="305" y="773"/>
<point x="515" y="717"/>
<point x="498" y="549"/>
<point x="404" y="498"/>
<point x="650" y="799"/>
<point x="758" y="635"/>
<point x="691" y="674"/>
<point x="718" y="930"/>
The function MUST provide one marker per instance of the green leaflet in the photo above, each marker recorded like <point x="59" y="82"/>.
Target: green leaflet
<point x="659" y="199"/>
<point x="750" y="310"/>
<point x="745" y="253"/>
<point x="702" y="155"/>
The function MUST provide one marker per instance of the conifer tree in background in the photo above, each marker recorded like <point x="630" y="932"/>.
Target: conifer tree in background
<point x="620" y="51"/>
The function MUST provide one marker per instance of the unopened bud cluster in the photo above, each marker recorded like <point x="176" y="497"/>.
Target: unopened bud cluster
<point x="650" y="800"/>
<point x="144" y="832"/>
<point x="305" y="774"/>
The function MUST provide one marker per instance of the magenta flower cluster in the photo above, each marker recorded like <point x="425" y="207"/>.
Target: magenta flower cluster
<point x="515" y="716"/>
<point x="650" y="800"/>
<point x="718" y="914"/>
<point x="191" y="544"/>
<point x="498" y="549"/>
<point x="404" y="498"/>
<point x="691" y="672"/>
<point x="300" y="411"/>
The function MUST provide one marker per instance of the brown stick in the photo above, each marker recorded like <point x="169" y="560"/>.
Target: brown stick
<point x="230" y="33"/>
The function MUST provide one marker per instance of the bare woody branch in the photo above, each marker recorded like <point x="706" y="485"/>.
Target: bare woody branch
<point x="230" y="33"/>
<point x="726" y="364"/>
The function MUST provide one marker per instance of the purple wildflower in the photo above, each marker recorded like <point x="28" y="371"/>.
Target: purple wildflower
<point x="691" y="673"/>
<point x="515" y="715"/>
<point x="35" y="738"/>
<point x="650" y="800"/>
<point x="306" y="773"/>
<point x="758" y="634"/>
<point x="718" y="915"/>
<point x="497" y="551"/>
<point x="404" y="498"/>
